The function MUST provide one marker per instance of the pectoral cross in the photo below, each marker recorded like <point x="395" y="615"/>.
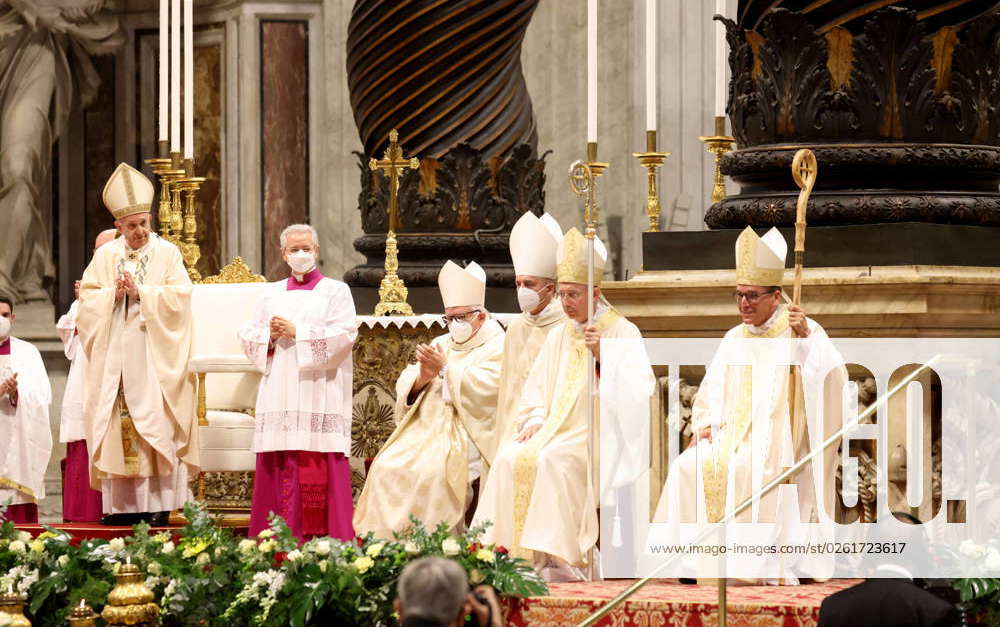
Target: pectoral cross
<point x="393" y="163"/>
<point x="392" y="292"/>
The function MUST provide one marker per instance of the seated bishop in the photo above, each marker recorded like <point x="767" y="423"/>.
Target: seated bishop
<point x="445" y="409"/>
<point x="134" y="321"/>
<point x="25" y="395"/>
<point x="741" y="417"/>
<point x="533" y="243"/>
<point x="541" y="494"/>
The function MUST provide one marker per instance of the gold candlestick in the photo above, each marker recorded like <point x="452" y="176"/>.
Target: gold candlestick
<point x="130" y="602"/>
<point x="591" y="212"/>
<point x="392" y="292"/>
<point x="82" y="616"/>
<point x="12" y="603"/>
<point x="718" y="144"/>
<point x="188" y="236"/>
<point x="164" y="213"/>
<point x="651" y="160"/>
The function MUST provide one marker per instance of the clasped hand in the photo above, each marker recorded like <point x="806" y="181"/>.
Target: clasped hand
<point x="125" y="286"/>
<point x="431" y="359"/>
<point x="592" y="339"/>
<point x="9" y="386"/>
<point x="281" y="328"/>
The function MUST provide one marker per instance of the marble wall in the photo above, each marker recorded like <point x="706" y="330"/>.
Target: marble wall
<point x="284" y="86"/>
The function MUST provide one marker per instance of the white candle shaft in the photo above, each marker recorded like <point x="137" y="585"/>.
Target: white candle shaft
<point x="591" y="71"/>
<point x="720" y="62"/>
<point x="651" y="65"/>
<point x="175" y="75"/>
<point x="188" y="79"/>
<point x="164" y="95"/>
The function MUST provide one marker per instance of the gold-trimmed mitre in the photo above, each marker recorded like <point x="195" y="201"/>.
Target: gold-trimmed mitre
<point x="462" y="287"/>
<point x="127" y="192"/>
<point x="760" y="260"/>
<point x="571" y="258"/>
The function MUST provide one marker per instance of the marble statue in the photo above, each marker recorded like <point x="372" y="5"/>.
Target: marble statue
<point x="45" y="71"/>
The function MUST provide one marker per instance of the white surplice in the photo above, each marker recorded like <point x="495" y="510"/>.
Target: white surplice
<point x="24" y="427"/>
<point x="304" y="401"/>
<point x="71" y="426"/>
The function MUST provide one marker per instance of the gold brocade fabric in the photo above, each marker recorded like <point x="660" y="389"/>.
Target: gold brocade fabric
<point x="716" y="467"/>
<point x="130" y="438"/>
<point x="565" y="398"/>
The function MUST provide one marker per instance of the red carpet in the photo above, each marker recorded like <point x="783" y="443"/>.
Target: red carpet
<point x="668" y="604"/>
<point x="85" y="531"/>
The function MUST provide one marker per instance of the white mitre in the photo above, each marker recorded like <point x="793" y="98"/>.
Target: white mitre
<point x="462" y="287"/>
<point x="127" y="192"/>
<point x="571" y="256"/>
<point x="760" y="260"/>
<point x="533" y="243"/>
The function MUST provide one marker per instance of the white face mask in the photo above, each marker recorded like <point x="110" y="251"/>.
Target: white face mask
<point x="301" y="261"/>
<point x="460" y="331"/>
<point x="4" y="328"/>
<point x="528" y="299"/>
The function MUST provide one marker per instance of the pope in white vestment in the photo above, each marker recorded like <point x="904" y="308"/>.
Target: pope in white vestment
<point x="134" y="322"/>
<point x="541" y="495"/>
<point x="533" y="243"/>
<point x="301" y="337"/>
<point x="24" y="423"/>
<point x="81" y="503"/>
<point x="741" y="417"/>
<point x="445" y="406"/>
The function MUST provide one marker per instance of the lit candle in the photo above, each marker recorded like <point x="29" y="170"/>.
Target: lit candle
<point x="175" y="75"/>
<point x="720" y="61"/>
<point x="591" y="71"/>
<point x="164" y="130"/>
<point x="651" y="65"/>
<point x="188" y="79"/>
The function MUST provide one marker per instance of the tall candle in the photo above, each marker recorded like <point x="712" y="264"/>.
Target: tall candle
<point x="651" y="65"/>
<point x="188" y="79"/>
<point x="591" y="71"/>
<point x="175" y="75"/>
<point x="720" y="61"/>
<point x="164" y="95"/>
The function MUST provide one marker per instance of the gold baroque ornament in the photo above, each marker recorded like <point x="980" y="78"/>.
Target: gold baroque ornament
<point x="236" y="271"/>
<point x="130" y="602"/>
<point x="226" y="489"/>
<point x="372" y="425"/>
<point x="12" y="603"/>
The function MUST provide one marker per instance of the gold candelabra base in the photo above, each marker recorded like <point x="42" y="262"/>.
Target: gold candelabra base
<point x="188" y="235"/>
<point x="718" y="144"/>
<point x="392" y="292"/>
<point x="163" y="168"/>
<point x="652" y="160"/>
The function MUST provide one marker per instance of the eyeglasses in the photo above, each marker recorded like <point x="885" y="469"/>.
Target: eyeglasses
<point x="461" y="316"/>
<point x="751" y="297"/>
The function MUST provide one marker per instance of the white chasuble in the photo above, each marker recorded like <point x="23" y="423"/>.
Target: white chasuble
<point x="24" y="426"/>
<point x="304" y="400"/>
<point x="423" y="468"/>
<point x="522" y="344"/>
<point x="139" y="405"/>
<point x="541" y="495"/>
<point x="745" y="397"/>
<point x="71" y="425"/>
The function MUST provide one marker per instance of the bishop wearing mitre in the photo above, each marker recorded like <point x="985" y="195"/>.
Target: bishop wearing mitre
<point x="134" y="322"/>
<point x="741" y="417"/>
<point x="533" y="243"/>
<point x="541" y="494"/>
<point x="445" y="408"/>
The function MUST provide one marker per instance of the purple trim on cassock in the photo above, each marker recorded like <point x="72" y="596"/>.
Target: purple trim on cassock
<point x="309" y="280"/>
<point x="5" y="347"/>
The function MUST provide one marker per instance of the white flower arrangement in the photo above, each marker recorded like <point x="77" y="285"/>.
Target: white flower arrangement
<point x="451" y="547"/>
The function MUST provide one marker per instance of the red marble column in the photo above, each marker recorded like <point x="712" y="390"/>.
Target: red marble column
<point x="284" y="123"/>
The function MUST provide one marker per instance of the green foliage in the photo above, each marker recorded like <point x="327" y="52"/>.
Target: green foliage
<point x="203" y="575"/>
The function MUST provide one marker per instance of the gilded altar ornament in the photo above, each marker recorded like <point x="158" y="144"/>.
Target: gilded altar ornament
<point x="163" y="169"/>
<point x="652" y="160"/>
<point x="130" y="602"/>
<point x="718" y="144"/>
<point x="392" y="292"/>
<point x="187" y="235"/>
<point x="82" y="616"/>
<point x="12" y="603"/>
